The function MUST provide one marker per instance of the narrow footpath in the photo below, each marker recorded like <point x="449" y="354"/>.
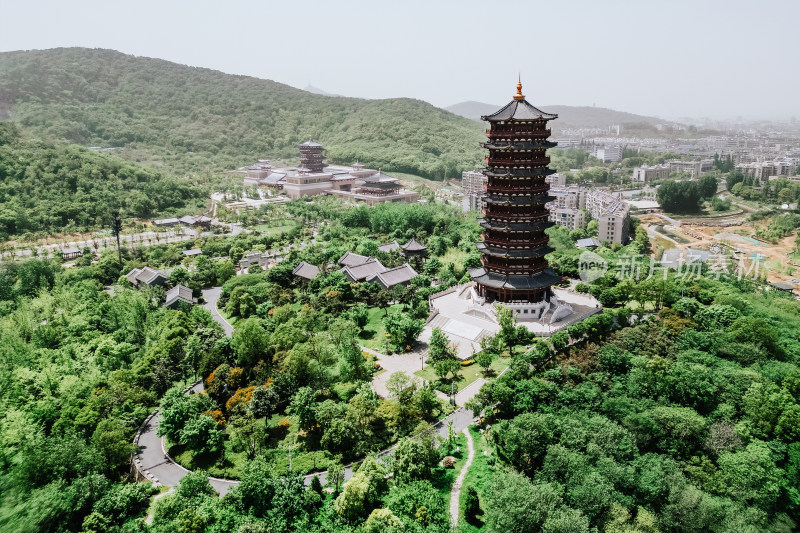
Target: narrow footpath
<point x="455" y="491"/>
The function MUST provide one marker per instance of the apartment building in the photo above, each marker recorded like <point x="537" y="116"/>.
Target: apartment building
<point x="645" y="174"/>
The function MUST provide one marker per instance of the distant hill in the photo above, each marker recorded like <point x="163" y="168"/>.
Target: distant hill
<point x="311" y="89"/>
<point x="183" y="118"/>
<point x="568" y="116"/>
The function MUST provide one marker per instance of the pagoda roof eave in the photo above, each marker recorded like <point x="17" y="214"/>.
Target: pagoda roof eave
<point x="543" y="279"/>
<point x="518" y="110"/>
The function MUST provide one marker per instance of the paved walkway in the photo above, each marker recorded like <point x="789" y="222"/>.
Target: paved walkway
<point x="210" y="297"/>
<point x="407" y="363"/>
<point x="455" y="491"/>
<point x="153" y="458"/>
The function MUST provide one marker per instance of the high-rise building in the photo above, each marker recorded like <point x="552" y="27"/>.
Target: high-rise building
<point x="514" y="244"/>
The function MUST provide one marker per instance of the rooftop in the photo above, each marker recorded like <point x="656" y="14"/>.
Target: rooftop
<point x="306" y="270"/>
<point x="413" y="246"/>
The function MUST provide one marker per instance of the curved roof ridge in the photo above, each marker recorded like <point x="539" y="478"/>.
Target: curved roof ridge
<point x="518" y="109"/>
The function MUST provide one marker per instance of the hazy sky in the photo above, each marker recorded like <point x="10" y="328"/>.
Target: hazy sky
<point x="715" y="58"/>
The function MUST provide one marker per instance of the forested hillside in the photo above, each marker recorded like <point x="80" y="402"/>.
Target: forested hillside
<point x="47" y="188"/>
<point x="190" y="118"/>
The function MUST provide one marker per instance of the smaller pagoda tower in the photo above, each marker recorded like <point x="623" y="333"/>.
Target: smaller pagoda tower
<point x="311" y="156"/>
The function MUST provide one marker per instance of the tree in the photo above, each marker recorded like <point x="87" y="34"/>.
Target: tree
<point x="246" y="434"/>
<point x="362" y="492"/>
<point x="678" y="197"/>
<point x="303" y="406"/>
<point x="512" y="503"/>
<point x="202" y="435"/>
<point x="402" y="329"/>
<point x="707" y="186"/>
<point x="264" y="401"/>
<point x="447" y="367"/>
<point x="508" y="325"/>
<point x="401" y="387"/>
<point x="335" y="474"/>
<point x="484" y="359"/>
<point x="413" y="459"/>
<point x="251" y="342"/>
<point x="472" y="506"/>
<point x="382" y="521"/>
<point x="439" y="347"/>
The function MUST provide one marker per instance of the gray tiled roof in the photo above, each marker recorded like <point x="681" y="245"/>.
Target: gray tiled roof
<point x="363" y="271"/>
<point x="350" y="259"/>
<point x="310" y="143"/>
<point x="394" y="276"/>
<point x="518" y="110"/>
<point x="179" y="293"/>
<point x="192" y="252"/>
<point x="545" y="278"/>
<point x="413" y="246"/>
<point x="587" y="243"/>
<point x="144" y="275"/>
<point x="306" y="270"/>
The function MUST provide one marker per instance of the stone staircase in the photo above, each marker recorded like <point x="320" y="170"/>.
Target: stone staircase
<point x="439" y="321"/>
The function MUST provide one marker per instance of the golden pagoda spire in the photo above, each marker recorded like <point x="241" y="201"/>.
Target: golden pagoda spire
<point x="519" y="95"/>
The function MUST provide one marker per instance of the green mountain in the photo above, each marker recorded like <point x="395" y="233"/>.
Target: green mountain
<point x="192" y="119"/>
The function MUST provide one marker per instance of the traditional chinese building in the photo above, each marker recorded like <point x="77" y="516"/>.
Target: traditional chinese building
<point x="513" y="243"/>
<point x="311" y="156"/>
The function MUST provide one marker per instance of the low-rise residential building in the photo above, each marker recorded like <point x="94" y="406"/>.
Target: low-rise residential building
<point x="556" y="180"/>
<point x="612" y="214"/>
<point x="694" y="168"/>
<point x="608" y="153"/>
<point x="763" y="171"/>
<point x="646" y="174"/>
<point x="569" y="217"/>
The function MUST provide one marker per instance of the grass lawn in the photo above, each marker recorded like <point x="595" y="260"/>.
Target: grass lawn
<point x="269" y="229"/>
<point x="468" y="374"/>
<point x="374" y="334"/>
<point x="479" y="476"/>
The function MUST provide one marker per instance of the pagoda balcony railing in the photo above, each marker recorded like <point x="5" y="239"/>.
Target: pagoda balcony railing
<point x="521" y="270"/>
<point x="516" y="216"/>
<point x="536" y="134"/>
<point x="515" y="244"/>
<point x="497" y="162"/>
<point x="519" y="189"/>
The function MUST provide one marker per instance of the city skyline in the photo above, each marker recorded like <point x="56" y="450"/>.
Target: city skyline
<point x="675" y="60"/>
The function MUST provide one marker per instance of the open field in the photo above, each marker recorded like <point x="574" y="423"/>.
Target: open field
<point x="468" y="374"/>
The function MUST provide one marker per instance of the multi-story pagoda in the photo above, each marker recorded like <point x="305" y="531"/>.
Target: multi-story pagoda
<point x="514" y="269"/>
<point x="311" y="157"/>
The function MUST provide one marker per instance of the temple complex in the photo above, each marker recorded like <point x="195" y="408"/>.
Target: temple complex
<point x="353" y="184"/>
<point x="514" y="270"/>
